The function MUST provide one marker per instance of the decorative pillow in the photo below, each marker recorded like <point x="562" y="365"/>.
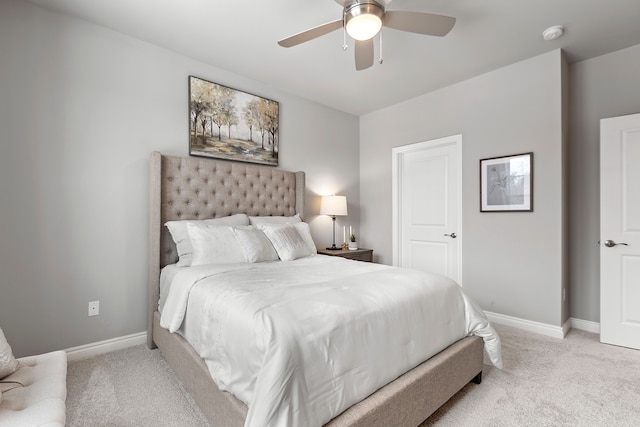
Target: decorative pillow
<point x="288" y="241"/>
<point x="255" y="220"/>
<point x="8" y="363"/>
<point x="178" y="230"/>
<point x="305" y="232"/>
<point x="255" y="244"/>
<point x="216" y="244"/>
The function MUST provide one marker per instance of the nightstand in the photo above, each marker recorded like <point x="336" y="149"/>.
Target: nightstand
<point x="356" y="254"/>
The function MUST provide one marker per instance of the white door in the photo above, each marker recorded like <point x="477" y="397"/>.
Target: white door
<point x="620" y="231"/>
<point x="427" y="206"/>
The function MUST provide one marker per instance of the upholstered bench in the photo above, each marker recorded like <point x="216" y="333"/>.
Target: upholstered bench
<point x="35" y="394"/>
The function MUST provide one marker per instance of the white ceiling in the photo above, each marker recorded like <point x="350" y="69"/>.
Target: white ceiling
<point x="240" y="36"/>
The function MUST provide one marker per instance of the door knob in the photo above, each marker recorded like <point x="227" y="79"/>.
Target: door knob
<point x="611" y="243"/>
<point x="452" y="235"/>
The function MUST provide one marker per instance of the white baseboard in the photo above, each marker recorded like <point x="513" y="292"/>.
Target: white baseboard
<point x="107" y="346"/>
<point x="585" y="325"/>
<point x="529" y="325"/>
<point x="543" y="328"/>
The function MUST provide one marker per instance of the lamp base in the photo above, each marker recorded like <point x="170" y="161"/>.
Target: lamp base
<point x="334" y="248"/>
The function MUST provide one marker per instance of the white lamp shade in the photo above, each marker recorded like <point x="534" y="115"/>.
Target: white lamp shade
<point x="333" y="205"/>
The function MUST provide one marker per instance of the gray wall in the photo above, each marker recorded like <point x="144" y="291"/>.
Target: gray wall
<point x="81" y="107"/>
<point x="602" y="87"/>
<point x="513" y="263"/>
<point x="606" y="86"/>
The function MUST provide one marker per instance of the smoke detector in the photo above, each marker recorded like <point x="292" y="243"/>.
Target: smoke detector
<point x="553" y="33"/>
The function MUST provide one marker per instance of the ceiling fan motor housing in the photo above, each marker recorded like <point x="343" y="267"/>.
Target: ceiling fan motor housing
<point x="363" y="19"/>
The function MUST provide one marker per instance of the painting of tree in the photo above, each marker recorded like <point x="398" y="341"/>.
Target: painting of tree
<point x="230" y="124"/>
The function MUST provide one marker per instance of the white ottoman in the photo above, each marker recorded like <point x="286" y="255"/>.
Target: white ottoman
<point x="35" y="394"/>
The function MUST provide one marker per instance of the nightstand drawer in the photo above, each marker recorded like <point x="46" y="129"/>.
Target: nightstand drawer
<point x="355" y="254"/>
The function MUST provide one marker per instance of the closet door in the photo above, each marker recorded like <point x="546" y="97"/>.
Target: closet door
<point x="426" y="206"/>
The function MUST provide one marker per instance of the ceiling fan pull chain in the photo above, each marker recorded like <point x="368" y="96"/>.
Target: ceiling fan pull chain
<point x="344" y="32"/>
<point x="380" y="60"/>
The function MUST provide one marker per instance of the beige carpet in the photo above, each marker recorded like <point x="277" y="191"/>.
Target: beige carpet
<point x="551" y="382"/>
<point x="545" y="382"/>
<point x="132" y="387"/>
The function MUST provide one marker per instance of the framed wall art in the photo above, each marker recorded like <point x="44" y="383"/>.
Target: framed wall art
<point x="229" y="124"/>
<point x="506" y="183"/>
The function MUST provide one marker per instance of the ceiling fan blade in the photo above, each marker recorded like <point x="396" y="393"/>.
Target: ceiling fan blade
<point x="418" y="22"/>
<point x="341" y="2"/>
<point x="311" y="34"/>
<point x="364" y="54"/>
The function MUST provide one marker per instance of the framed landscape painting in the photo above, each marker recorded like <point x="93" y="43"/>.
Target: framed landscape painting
<point x="229" y="124"/>
<point x="506" y="183"/>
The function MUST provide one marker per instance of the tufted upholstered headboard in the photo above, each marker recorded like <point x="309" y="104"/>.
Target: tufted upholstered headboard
<point x="197" y="188"/>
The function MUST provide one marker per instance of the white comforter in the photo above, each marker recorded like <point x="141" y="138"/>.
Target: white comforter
<point x="301" y="341"/>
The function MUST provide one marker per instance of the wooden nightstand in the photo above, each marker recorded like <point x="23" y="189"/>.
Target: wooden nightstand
<point x="356" y="254"/>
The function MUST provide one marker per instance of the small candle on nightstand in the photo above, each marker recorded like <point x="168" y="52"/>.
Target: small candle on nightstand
<point x="344" y="234"/>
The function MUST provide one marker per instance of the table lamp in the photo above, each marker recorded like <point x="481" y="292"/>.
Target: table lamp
<point x="333" y="206"/>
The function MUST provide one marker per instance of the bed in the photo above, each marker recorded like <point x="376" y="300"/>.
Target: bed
<point x="196" y="189"/>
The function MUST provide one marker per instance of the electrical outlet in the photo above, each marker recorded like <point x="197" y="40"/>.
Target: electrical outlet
<point x="94" y="308"/>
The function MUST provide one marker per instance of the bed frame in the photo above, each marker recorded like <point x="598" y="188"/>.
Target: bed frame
<point x="196" y="188"/>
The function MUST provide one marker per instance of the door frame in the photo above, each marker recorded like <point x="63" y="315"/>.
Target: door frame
<point x="397" y="154"/>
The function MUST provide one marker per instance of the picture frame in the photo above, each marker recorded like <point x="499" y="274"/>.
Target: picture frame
<point x="506" y="183"/>
<point x="229" y="124"/>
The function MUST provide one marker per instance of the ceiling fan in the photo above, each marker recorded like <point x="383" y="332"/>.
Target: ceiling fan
<point x="363" y="19"/>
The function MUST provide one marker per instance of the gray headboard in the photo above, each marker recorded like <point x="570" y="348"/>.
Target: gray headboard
<point x="198" y="188"/>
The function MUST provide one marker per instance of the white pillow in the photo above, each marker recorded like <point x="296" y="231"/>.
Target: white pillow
<point x="288" y="241"/>
<point x="178" y="230"/>
<point x="214" y="244"/>
<point x="255" y="244"/>
<point x="305" y="232"/>
<point x="8" y="363"/>
<point x="255" y="220"/>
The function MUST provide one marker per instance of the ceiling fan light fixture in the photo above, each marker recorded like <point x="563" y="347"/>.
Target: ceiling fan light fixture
<point x="364" y="27"/>
<point x="363" y="20"/>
